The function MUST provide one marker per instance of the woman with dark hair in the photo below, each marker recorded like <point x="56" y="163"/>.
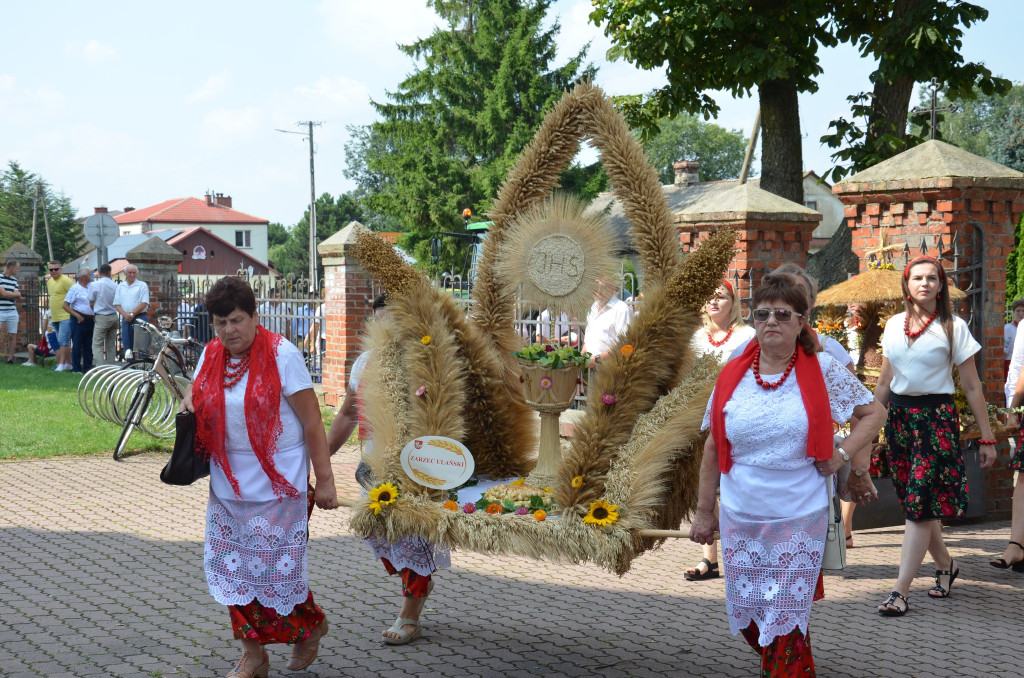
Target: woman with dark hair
<point x="922" y="431"/>
<point x="771" y="450"/>
<point x="258" y="419"/>
<point x="413" y="558"/>
<point x="723" y="330"/>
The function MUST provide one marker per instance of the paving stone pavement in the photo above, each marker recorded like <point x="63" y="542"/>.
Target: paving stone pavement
<point x="102" y="569"/>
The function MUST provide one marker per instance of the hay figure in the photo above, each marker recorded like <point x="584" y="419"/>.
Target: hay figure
<point x="632" y="463"/>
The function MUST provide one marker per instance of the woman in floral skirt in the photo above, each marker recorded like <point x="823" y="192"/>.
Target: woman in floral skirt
<point x="922" y="431"/>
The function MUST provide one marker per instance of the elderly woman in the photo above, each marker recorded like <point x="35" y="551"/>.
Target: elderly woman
<point x="771" y="450"/>
<point x="922" y="430"/>
<point x="723" y="330"/>
<point x="258" y="419"/>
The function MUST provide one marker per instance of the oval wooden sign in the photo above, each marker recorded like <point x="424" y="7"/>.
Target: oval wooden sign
<point x="437" y="462"/>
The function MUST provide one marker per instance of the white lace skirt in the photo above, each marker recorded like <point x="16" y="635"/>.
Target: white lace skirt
<point x="415" y="553"/>
<point x="771" y="570"/>
<point x="256" y="545"/>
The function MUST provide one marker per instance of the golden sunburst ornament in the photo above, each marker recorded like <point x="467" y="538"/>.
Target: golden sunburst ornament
<point x="557" y="251"/>
<point x="601" y="513"/>
<point x="381" y="496"/>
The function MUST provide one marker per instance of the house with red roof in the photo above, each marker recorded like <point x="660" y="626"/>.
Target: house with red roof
<point x="214" y="214"/>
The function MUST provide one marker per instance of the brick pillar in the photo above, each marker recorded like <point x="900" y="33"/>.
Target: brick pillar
<point x="158" y="268"/>
<point x="29" y="282"/>
<point x="936" y="193"/>
<point x="770" y="231"/>
<point x="347" y="299"/>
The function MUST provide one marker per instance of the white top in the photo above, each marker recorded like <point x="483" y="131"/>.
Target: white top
<point x="357" y="371"/>
<point x="701" y="343"/>
<point x="1016" y="363"/>
<point x="294" y="378"/>
<point x="923" y="368"/>
<point x="273" y="317"/>
<point x="771" y="474"/>
<point x="828" y="345"/>
<point x="8" y="284"/>
<point x="128" y="297"/>
<point x="544" y="325"/>
<point x="101" y="294"/>
<point x="78" y="299"/>
<point x="1009" y="334"/>
<point x="605" y="325"/>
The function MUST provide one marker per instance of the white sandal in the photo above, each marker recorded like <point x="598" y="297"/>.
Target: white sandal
<point x="403" y="635"/>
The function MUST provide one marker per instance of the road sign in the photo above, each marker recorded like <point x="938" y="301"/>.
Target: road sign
<point x="100" y="230"/>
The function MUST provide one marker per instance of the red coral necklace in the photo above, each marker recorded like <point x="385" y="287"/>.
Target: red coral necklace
<point x="915" y="335"/>
<point x="769" y="385"/>
<point x="711" y="339"/>
<point x="234" y="373"/>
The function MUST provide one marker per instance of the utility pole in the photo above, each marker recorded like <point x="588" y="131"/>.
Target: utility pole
<point x="314" y="278"/>
<point x="40" y="197"/>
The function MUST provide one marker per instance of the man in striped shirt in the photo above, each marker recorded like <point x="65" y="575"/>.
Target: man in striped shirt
<point x="9" y="294"/>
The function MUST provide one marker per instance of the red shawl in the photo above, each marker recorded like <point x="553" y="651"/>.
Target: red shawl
<point x="812" y="391"/>
<point x="262" y="408"/>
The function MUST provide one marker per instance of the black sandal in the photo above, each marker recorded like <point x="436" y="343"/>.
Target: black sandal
<point x="938" y="591"/>
<point x="889" y="608"/>
<point x="1001" y="564"/>
<point x="697" y="575"/>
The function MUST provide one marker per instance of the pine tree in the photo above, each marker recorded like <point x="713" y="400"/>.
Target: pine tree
<point x="453" y="128"/>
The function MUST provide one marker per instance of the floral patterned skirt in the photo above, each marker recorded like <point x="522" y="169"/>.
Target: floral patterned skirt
<point x="924" y="458"/>
<point x="1017" y="459"/>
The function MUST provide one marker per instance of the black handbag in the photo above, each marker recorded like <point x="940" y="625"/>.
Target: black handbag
<point x="184" y="467"/>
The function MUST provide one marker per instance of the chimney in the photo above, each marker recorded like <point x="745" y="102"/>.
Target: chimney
<point x="687" y="172"/>
<point x="209" y="198"/>
<point x="100" y="210"/>
<point x="222" y="200"/>
<point x="129" y="209"/>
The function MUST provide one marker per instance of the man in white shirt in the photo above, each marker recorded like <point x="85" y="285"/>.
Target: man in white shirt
<point x="104" y="331"/>
<point x="76" y="302"/>
<point x="131" y="302"/>
<point x="272" y="314"/>
<point x="1010" y="333"/>
<point x="608" y="318"/>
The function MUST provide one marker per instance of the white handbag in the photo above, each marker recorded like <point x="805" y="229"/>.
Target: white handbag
<point x="834" y="557"/>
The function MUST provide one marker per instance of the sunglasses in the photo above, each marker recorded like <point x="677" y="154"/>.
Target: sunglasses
<point x="781" y="315"/>
<point x="54" y="269"/>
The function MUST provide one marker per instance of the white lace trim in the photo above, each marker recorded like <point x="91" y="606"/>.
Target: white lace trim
<point x="257" y="550"/>
<point x="771" y="569"/>
<point x="768" y="429"/>
<point x="413" y="552"/>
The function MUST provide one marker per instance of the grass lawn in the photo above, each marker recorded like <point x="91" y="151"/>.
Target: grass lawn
<point x="40" y="417"/>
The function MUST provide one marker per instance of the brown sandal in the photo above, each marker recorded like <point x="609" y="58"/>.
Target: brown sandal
<point x="301" y="658"/>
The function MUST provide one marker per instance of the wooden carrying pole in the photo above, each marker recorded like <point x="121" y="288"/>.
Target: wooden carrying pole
<point x="750" y="148"/>
<point x="655" y="534"/>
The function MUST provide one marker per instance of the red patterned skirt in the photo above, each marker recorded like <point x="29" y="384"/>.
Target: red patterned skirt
<point x="787" y="656"/>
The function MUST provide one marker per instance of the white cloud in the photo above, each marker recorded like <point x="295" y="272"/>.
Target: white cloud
<point x="21" y="105"/>
<point x="213" y="86"/>
<point x="225" y="128"/>
<point x="92" y="51"/>
<point x="335" y="95"/>
<point x="371" y="26"/>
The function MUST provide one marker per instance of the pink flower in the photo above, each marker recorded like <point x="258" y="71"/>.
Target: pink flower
<point x="522" y="511"/>
<point x="545" y="383"/>
<point x="421" y="391"/>
<point x="468" y="507"/>
<point x="608" y="399"/>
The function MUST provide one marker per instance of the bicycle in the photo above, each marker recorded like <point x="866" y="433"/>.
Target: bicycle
<point x="164" y="379"/>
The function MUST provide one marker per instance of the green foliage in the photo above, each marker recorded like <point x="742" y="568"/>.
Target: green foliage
<point x="17" y="192"/>
<point x="687" y="137"/>
<point x="584" y="181"/>
<point x="291" y="256"/>
<point x="451" y="131"/>
<point x="556" y="358"/>
<point x="911" y="42"/>
<point x="277" y="234"/>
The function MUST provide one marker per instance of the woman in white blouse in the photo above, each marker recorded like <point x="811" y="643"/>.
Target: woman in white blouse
<point x="771" y="451"/>
<point x="922" y="430"/>
<point x="723" y="330"/>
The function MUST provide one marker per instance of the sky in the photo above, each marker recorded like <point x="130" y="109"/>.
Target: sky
<point x="129" y="103"/>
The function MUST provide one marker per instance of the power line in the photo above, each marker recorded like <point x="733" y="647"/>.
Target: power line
<point x="314" y="279"/>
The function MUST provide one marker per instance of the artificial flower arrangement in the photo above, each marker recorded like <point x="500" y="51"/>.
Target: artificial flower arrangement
<point x="879" y="264"/>
<point x="553" y="357"/>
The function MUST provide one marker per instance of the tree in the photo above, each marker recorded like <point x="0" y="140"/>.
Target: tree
<point x="277" y="234"/>
<point x="739" y="45"/>
<point x="451" y="131"/>
<point x="17" y="193"/>
<point x="687" y="137"/>
<point x="291" y="257"/>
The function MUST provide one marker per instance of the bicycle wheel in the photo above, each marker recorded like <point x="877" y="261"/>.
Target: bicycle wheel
<point x="138" y="407"/>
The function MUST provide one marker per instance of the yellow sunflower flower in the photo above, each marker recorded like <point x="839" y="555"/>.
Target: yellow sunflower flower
<point x="601" y="513"/>
<point x="381" y="496"/>
<point x="577" y="481"/>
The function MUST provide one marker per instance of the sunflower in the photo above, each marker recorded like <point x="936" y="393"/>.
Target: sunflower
<point x="381" y="496"/>
<point x="601" y="513"/>
<point x="577" y="481"/>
